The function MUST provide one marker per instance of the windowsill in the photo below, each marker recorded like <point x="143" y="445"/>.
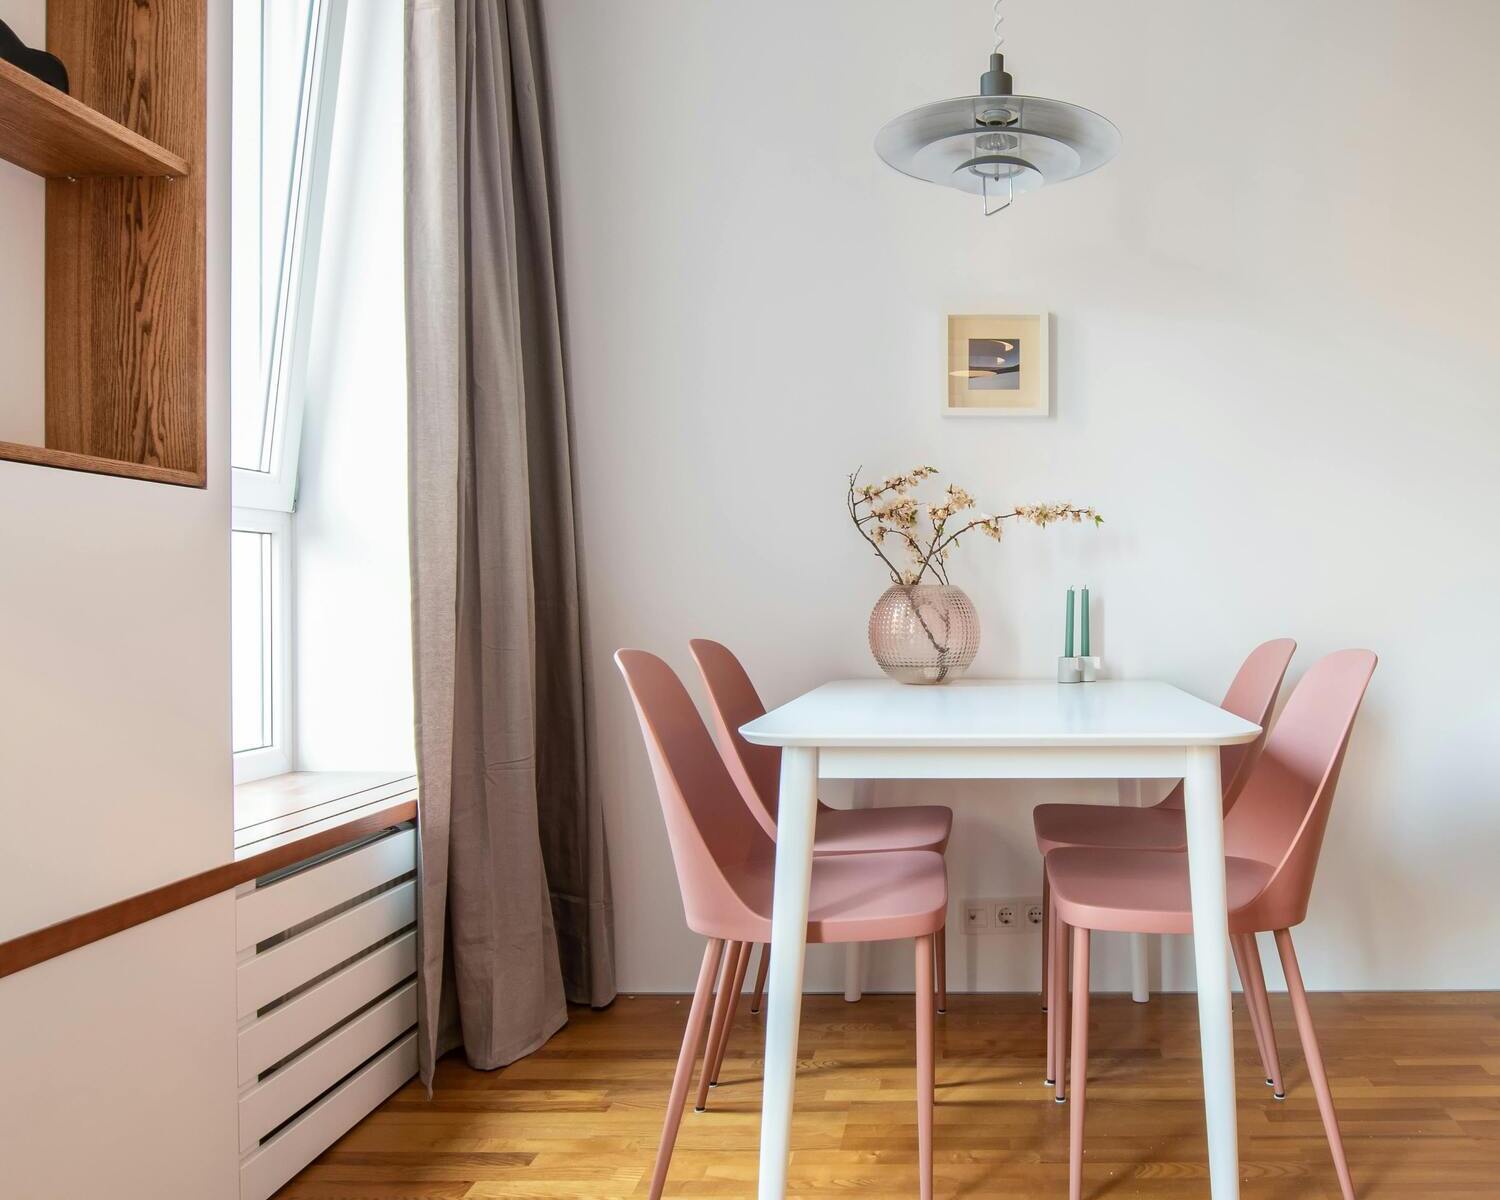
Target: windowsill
<point x="284" y="808"/>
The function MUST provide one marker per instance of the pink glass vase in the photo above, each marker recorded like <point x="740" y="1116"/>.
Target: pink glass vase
<point x="924" y="632"/>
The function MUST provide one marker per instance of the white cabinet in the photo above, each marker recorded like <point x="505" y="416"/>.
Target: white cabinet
<point x="327" y="999"/>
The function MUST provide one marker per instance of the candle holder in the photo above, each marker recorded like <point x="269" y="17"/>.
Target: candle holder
<point x="1069" y="669"/>
<point x="1090" y="668"/>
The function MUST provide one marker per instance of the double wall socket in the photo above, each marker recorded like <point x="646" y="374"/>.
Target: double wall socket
<point x="1006" y="914"/>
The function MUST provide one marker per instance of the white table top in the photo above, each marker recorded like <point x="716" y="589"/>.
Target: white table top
<point x="998" y="712"/>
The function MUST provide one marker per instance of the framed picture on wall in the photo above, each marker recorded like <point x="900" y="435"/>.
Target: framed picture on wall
<point x="998" y="366"/>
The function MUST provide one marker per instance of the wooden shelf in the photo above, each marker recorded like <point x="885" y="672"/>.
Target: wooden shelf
<point x="126" y="220"/>
<point x="56" y="136"/>
<point x="66" y="460"/>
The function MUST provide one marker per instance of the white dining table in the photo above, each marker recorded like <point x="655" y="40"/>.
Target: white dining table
<point x="869" y="729"/>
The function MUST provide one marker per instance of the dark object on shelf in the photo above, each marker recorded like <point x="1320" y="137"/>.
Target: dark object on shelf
<point x="46" y="67"/>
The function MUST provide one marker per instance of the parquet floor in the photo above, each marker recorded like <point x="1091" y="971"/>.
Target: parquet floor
<point x="1416" y="1076"/>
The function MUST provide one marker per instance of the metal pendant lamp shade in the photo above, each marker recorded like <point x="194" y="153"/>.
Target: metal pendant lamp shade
<point x="997" y="145"/>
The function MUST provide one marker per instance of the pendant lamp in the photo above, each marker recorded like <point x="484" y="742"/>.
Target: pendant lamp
<point x="997" y="145"/>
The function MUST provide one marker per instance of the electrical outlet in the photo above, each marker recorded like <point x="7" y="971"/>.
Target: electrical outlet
<point x="1012" y="914"/>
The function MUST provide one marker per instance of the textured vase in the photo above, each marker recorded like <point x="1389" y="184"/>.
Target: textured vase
<point x="924" y="633"/>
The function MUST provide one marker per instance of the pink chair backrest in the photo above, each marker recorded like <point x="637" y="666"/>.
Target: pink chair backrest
<point x="712" y="833"/>
<point x="1284" y="806"/>
<point x="1252" y="695"/>
<point x="735" y="702"/>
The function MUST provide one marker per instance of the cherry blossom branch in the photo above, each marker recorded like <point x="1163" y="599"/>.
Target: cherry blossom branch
<point x="889" y="510"/>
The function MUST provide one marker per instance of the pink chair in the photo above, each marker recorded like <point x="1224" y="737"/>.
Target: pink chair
<point x="725" y="862"/>
<point x="1272" y="838"/>
<point x="756" y="771"/>
<point x="1252" y="695"/>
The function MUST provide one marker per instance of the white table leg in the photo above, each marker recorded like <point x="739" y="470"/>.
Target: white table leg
<point x="1140" y="982"/>
<point x="1205" y="832"/>
<point x="795" y="825"/>
<point x="854" y="952"/>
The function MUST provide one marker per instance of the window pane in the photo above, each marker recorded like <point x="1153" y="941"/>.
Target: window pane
<point x="271" y="99"/>
<point x="251" y="609"/>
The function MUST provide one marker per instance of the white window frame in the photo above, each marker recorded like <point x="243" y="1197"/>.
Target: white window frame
<point x="284" y="384"/>
<point x="264" y="499"/>
<point x="277" y="757"/>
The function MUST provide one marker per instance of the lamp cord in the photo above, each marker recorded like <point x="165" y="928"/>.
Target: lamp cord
<point x="999" y="32"/>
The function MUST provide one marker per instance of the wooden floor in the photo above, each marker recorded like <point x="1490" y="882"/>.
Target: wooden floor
<point x="1416" y="1076"/>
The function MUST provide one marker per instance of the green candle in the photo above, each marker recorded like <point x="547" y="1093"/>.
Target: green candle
<point x="1083" y="620"/>
<point x="1068" y="636"/>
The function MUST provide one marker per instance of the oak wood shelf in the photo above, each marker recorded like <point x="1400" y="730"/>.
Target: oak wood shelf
<point x="125" y="239"/>
<point x="51" y="134"/>
<point x="66" y="460"/>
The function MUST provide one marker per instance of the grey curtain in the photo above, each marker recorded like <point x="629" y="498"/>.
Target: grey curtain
<point x="515" y="912"/>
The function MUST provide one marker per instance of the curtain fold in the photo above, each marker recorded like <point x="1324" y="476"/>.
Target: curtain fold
<point x="515" y="912"/>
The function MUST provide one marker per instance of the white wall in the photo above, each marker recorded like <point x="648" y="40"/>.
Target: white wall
<point x="1276" y="374"/>
<point x="353" y="619"/>
<point x="118" y="1059"/>
<point x="22" y="335"/>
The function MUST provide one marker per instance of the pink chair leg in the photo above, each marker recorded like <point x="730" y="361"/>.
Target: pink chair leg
<point x="940" y="961"/>
<point x="1260" y="1005"/>
<point x="722" y="1002"/>
<point x="924" y="956"/>
<point x="760" y="977"/>
<point x="692" y="1041"/>
<point x="1237" y="944"/>
<point x="1046" y="939"/>
<point x="1080" y="1061"/>
<point x="741" y="964"/>
<point x="1314" y="1059"/>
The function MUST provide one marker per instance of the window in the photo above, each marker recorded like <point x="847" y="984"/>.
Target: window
<point x="254" y="601"/>
<point x="260" y="642"/>
<point x="286" y="67"/>
<point x="286" y="58"/>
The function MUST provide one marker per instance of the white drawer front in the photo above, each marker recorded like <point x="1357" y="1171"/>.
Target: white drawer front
<point x="270" y="1102"/>
<point x="272" y="1164"/>
<point x="282" y="968"/>
<point x="267" y="1041"/>
<point x="279" y="906"/>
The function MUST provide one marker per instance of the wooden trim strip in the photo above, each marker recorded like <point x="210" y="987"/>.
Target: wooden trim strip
<point x="259" y="859"/>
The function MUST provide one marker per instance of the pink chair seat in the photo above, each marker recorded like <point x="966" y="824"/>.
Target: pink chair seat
<point x="869" y="830"/>
<point x="860" y="897"/>
<point x="1059" y="825"/>
<point x="854" y="898"/>
<point x="1142" y="891"/>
